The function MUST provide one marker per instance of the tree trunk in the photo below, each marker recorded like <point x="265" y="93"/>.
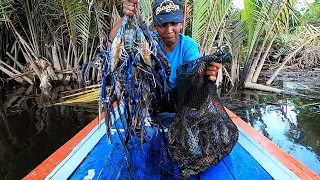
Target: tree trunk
<point x="28" y="55"/>
<point x="258" y="70"/>
<point x="55" y="61"/>
<point x="247" y="65"/>
<point x="204" y="41"/>
<point x="10" y="74"/>
<point x="17" y="72"/>
<point x="2" y="44"/>
<point x="219" y="78"/>
<point x="51" y="73"/>
<point x="255" y="62"/>
<point x="234" y="69"/>
<point x="260" y="87"/>
<point x="227" y="74"/>
<point x="289" y="57"/>
<point x="15" y="61"/>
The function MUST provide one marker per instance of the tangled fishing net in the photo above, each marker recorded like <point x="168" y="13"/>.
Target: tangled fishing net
<point x="202" y="133"/>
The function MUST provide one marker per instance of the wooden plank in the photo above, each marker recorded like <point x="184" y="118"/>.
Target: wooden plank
<point x="96" y="160"/>
<point x="276" y="169"/>
<point x="287" y="160"/>
<point x="147" y="162"/>
<point x="219" y="171"/>
<point x="243" y="166"/>
<point x="115" y="165"/>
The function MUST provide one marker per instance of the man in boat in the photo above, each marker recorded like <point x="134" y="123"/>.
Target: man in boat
<point x="179" y="49"/>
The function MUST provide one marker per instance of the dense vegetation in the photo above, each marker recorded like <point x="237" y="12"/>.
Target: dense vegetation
<point x="49" y="40"/>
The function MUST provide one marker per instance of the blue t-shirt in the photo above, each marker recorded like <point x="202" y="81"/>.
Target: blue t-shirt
<point x="186" y="50"/>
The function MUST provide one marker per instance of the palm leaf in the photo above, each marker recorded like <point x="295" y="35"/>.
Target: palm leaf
<point x="102" y="25"/>
<point x="235" y="35"/>
<point x="201" y="14"/>
<point x="81" y="97"/>
<point x="88" y="97"/>
<point x="146" y="10"/>
<point x="220" y="21"/>
<point x="31" y="13"/>
<point x="77" y="20"/>
<point x="5" y="10"/>
<point x="312" y="104"/>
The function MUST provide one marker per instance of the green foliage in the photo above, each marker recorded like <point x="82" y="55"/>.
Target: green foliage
<point x="77" y="20"/>
<point x="201" y="15"/>
<point x="312" y="14"/>
<point x="146" y="10"/>
<point x="235" y="35"/>
<point x="99" y="24"/>
<point x="247" y="16"/>
<point x="220" y="22"/>
<point x="309" y="114"/>
<point x="5" y="10"/>
<point x="44" y="22"/>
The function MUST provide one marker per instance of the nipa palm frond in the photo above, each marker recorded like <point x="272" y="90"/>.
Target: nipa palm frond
<point x="86" y="98"/>
<point x="101" y="24"/>
<point x="219" y="21"/>
<point x="200" y="19"/>
<point x="5" y="9"/>
<point x="82" y="97"/>
<point x="235" y="34"/>
<point x="76" y="19"/>
<point x="146" y="10"/>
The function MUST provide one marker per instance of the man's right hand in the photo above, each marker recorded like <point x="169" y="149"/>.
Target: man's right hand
<point x="129" y="6"/>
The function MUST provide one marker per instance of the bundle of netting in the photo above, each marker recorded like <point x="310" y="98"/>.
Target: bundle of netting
<point x="202" y="133"/>
<point x="134" y="71"/>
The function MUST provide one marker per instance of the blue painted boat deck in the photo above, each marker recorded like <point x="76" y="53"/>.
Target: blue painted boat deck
<point x="108" y="162"/>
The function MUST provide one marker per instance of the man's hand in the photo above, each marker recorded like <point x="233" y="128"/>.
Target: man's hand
<point x="212" y="70"/>
<point x="128" y="7"/>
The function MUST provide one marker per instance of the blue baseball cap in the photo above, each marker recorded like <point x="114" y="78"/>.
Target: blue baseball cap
<point x="164" y="11"/>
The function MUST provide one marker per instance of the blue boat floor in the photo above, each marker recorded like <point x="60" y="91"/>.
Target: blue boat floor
<point x="109" y="162"/>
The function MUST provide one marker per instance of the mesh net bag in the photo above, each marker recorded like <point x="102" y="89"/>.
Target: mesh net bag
<point x="201" y="133"/>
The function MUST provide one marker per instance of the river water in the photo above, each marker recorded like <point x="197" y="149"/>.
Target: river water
<point x="289" y="121"/>
<point x="29" y="132"/>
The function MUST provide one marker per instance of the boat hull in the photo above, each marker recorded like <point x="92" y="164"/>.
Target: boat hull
<point x="89" y="156"/>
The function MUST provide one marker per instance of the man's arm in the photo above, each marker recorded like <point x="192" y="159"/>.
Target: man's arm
<point x="128" y="10"/>
<point x="114" y="30"/>
<point x="193" y="53"/>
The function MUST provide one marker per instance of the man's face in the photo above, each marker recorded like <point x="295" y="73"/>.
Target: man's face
<point x="169" y="33"/>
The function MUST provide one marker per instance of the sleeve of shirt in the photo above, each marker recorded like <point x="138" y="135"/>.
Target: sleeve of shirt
<point x="192" y="51"/>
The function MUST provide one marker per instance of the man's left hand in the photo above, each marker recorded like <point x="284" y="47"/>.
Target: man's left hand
<point x="212" y="70"/>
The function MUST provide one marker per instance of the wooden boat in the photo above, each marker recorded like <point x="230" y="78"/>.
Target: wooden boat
<point x="88" y="156"/>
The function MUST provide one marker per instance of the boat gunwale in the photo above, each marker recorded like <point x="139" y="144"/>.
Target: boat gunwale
<point x="290" y="166"/>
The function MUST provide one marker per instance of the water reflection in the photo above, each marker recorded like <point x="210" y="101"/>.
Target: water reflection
<point x="285" y="121"/>
<point x="29" y="133"/>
